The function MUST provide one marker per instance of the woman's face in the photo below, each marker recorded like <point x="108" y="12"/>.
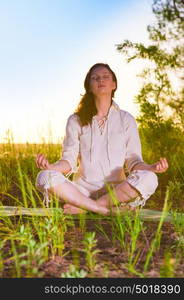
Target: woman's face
<point x="101" y="82"/>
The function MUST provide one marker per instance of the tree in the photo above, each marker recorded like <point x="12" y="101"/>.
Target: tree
<point x="159" y="100"/>
<point x="161" y="97"/>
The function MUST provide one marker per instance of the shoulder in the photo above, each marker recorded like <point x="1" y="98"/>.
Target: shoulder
<point x="73" y="122"/>
<point x="126" y="116"/>
<point x="128" y="120"/>
<point x="73" y="119"/>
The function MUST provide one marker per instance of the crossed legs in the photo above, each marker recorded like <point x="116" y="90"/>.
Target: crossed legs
<point x="68" y="193"/>
<point x="75" y="200"/>
<point x="123" y="192"/>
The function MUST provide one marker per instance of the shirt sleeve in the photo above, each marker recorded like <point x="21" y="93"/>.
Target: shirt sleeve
<point x="133" y="144"/>
<point x="70" y="148"/>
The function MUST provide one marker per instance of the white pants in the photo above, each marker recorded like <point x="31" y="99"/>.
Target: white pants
<point x="145" y="182"/>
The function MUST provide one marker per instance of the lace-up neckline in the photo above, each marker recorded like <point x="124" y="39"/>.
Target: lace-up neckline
<point x="101" y="123"/>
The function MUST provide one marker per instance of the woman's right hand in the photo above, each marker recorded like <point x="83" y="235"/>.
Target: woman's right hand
<point x="42" y="162"/>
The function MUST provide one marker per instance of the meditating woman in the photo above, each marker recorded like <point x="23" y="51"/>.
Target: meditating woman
<point x="103" y="150"/>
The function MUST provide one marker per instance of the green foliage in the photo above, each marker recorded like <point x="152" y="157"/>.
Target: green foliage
<point x="89" y="243"/>
<point x="74" y="273"/>
<point x="18" y="172"/>
<point x="1" y="258"/>
<point x="168" y="266"/>
<point x="164" y="55"/>
<point x="178" y="222"/>
<point x="161" y="97"/>
<point x="134" y="228"/>
<point x="155" y="244"/>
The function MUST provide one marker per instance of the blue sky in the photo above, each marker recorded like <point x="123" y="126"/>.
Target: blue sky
<point x="46" y="48"/>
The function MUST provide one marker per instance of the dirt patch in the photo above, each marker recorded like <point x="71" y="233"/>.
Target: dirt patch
<point x="112" y="258"/>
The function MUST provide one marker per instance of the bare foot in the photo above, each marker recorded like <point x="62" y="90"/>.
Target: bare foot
<point x="73" y="210"/>
<point x="121" y="209"/>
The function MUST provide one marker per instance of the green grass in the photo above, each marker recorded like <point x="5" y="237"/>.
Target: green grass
<point x="32" y="236"/>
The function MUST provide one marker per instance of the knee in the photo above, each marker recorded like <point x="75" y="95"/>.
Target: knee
<point x="47" y="178"/>
<point x="42" y="179"/>
<point x="151" y="181"/>
<point x="146" y="182"/>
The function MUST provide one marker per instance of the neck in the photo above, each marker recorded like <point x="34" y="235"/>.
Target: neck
<point x="102" y="104"/>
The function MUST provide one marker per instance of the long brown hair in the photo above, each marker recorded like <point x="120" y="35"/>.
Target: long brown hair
<point x="86" y="108"/>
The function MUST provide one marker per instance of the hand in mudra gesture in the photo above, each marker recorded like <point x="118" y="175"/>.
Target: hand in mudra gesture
<point x="42" y="162"/>
<point x="160" y="166"/>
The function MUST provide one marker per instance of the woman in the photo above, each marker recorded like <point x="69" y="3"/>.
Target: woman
<point x="103" y="139"/>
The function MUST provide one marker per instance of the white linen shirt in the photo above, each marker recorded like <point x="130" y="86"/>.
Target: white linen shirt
<point x="97" y="158"/>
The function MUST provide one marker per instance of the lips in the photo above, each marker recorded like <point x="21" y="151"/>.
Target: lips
<point x="101" y="86"/>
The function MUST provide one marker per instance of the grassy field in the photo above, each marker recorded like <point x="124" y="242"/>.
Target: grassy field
<point x="51" y="244"/>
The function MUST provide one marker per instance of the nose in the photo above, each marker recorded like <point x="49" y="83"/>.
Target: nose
<point x="100" y="79"/>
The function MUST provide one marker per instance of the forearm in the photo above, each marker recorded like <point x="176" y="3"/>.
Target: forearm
<point x="141" y="166"/>
<point x="62" y="166"/>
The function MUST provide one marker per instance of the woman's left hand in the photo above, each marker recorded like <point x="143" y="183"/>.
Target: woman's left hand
<point x="160" y="166"/>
